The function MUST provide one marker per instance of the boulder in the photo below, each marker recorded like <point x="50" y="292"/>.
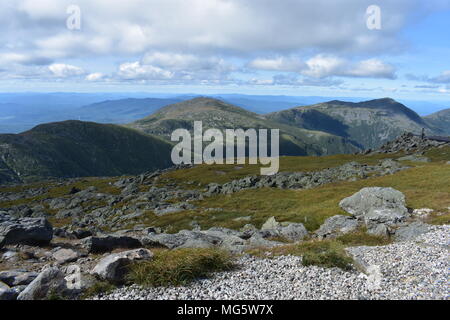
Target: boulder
<point x="31" y="231"/>
<point x="336" y="226"/>
<point x="293" y="232"/>
<point x="271" y="223"/>
<point x="182" y="239"/>
<point x="17" y="277"/>
<point x="109" y="243"/>
<point x="411" y="231"/>
<point x="65" y="255"/>
<point x="375" y="198"/>
<point x="7" y="293"/>
<point x="113" y="268"/>
<point x="49" y="282"/>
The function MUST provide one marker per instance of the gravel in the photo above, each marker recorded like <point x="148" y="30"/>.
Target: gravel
<point x="416" y="269"/>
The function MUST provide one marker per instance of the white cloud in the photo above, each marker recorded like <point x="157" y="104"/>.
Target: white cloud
<point x="97" y="76"/>
<point x="278" y="64"/>
<point x="322" y="66"/>
<point x="61" y="70"/>
<point x="444" y="77"/>
<point x="137" y="71"/>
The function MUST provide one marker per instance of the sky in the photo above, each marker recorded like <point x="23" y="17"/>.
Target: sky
<point x="372" y="48"/>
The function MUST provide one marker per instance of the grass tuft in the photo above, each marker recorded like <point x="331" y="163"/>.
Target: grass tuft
<point x="179" y="267"/>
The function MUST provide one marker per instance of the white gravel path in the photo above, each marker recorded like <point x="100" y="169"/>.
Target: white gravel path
<point x="406" y="270"/>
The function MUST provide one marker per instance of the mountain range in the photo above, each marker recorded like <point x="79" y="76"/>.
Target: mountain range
<point x="79" y="148"/>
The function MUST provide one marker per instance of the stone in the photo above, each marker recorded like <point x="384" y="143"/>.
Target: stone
<point x="271" y="223"/>
<point x="49" y="282"/>
<point x="182" y="239"/>
<point x="293" y="232"/>
<point x="379" y="230"/>
<point x="65" y="255"/>
<point x="17" y="277"/>
<point x="388" y="217"/>
<point x="31" y="231"/>
<point x="109" y="243"/>
<point x="411" y="231"/>
<point x="113" y="268"/>
<point x="7" y="294"/>
<point x="375" y="198"/>
<point x="336" y="226"/>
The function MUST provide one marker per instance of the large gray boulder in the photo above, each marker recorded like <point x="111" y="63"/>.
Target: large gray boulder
<point x="375" y="198"/>
<point x="109" y="243"/>
<point x="49" y="282"/>
<point x="337" y="226"/>
<point x="31" y="231"/>
<point x="381" y="209"/>
<point x="113" y="268"/>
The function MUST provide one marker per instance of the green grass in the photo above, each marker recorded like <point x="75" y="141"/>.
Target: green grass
<point x="362" y="238"/>
<point x="425" y="186"/>
<point x="179" y="267"/>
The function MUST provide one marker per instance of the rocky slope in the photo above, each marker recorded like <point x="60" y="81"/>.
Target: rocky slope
<point x="75" y="148"/>
<point x="218" y="114"/>
<point x="369" y="124"/>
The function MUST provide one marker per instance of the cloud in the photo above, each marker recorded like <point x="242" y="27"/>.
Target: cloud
<point x="444" y="77"/>
<point x="61" y="70"/>
<point x="292" y="64"/>
<point x="96" y="76"/>
<point x="324" y="66"/>
<point x="138" y="71"/>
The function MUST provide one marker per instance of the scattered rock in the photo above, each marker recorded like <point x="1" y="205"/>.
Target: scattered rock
<point x="414" y="158"/>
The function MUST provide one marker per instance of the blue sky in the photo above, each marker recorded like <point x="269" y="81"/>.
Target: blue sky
<point x="292" y="47"/>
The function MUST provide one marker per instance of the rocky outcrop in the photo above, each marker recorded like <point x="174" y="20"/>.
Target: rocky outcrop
<point x="33" y="231"/>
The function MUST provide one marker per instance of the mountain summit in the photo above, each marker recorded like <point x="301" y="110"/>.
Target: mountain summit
<point x="369" y="123"/>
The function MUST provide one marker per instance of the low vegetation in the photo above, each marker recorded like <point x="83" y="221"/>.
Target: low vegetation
<point x="179" y="267"/>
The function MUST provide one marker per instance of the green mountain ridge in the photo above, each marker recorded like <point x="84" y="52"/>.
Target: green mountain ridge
<point x="369" y="123"/>
<point x="76" y="149"/>
<point x="218" y="114"/>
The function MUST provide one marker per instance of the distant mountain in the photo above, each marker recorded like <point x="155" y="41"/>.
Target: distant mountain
<point x="440" y="120"/>
<point x="122" y="111"/>
<point x="218" y="114"/>
<point x="369" y="123"/>
<point x="76" y="148"/>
